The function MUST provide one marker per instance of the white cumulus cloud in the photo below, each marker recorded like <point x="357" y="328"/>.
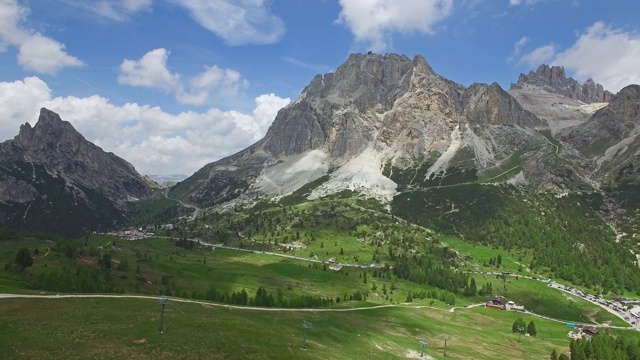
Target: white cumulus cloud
<point x="153" y="140"/>
<point x="36" y="52"/>
<point x="238" y="22"/>
<point x="151" y="71"/>
<point x="373" y="21"/>
<point x="540" y="55"/>
<point x="17" y="103"/>
<point x="607" y="55"/>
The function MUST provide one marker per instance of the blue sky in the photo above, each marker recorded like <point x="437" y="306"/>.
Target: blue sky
<point x="171" y="85"/>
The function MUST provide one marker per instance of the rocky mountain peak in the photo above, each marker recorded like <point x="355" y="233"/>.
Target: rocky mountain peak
<point x="49" y="132"/>
<point x="553" y="79"/>
<point x="53" y="174"/>
<point x="366" y="80"/>
<point x="375" y="111"/>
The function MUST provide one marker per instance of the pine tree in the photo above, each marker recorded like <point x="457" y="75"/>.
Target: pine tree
<point x="554" y="355"/>
<point x="517" y="324"/>
<point x="474" y="287"/>
<point x="531" y="329"/>
<point x="23" y="259"/>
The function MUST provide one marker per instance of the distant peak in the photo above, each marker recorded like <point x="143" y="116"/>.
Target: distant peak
<point x="553" y="78"/>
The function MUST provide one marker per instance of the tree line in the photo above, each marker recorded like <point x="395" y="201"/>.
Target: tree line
<point x="601" y="347"/>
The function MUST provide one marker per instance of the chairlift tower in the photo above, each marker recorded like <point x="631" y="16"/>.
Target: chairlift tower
<point x="423" y="343"/>
<point x="163" y="301"/>
<point x="446" y="338"/>
<point x="520" y="329"/>
<point x="306" y="325"/>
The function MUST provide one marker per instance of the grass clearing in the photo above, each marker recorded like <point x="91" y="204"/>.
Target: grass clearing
<point x="126" y="328"/>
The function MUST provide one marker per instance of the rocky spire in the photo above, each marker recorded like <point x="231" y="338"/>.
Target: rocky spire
<point x="49" y="132"/>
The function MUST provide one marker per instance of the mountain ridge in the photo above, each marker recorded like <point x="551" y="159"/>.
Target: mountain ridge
<point x="52" y="160"/>
<point x="384" y="108"/>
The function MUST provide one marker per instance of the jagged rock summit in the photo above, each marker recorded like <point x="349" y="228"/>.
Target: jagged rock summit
<point x="375" y="113"/>
<point x="553" y="79"/>
<point x="52" y="178"/>
<point x="561" y="101"/>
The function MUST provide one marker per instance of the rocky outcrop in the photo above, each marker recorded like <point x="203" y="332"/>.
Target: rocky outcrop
<point x="50" y="172"/>
<point x="553" y="79"/>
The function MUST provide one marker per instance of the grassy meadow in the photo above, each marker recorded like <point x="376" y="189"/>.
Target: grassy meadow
<point x="116" y="328"/>
<point x="127" y="328"/>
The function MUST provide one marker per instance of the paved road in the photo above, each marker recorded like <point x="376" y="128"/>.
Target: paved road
<point x="196" y="210"/>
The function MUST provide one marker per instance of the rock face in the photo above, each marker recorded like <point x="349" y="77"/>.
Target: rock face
<point x="610" y="140"/>
<point x="52" y="178"/>
<point x="553" y="79"/>
<point x="490" y="105"/>
<point x="374" y="113"/>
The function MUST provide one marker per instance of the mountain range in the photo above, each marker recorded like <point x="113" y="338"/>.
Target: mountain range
<point x="379" y="126"/>
<point x="382" y="124"/>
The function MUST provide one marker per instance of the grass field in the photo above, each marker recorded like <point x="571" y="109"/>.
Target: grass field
<point x="198" y="270"/>
<point x="127" y="328"/>
<point x="114" y="328"/>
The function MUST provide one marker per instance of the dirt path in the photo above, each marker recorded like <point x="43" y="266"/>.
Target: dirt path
<point x="203" y="303"/>
<point x="47" y="253"/>
<point x="453" y="309"/>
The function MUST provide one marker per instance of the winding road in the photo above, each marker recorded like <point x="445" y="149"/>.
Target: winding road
<point x="196" y="210"/>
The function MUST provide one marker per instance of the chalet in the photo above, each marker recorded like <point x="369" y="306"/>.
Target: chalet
<point x="589" y="331"/>
<point x="497" y="302"/>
